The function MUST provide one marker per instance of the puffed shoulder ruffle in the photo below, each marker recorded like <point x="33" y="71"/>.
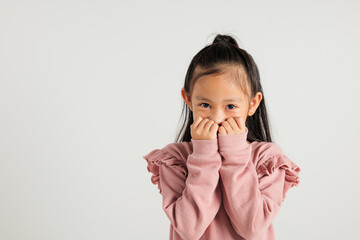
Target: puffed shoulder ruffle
<point x="158" y="157"/>
<point x="276" y="161"/>
<point x="280" y="160"/>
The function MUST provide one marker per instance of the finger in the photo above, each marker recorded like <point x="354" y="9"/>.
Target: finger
<point x="202" y="123"/>
<point x="233" y="124"/>
<point x="226" y="126"/>
<point x="208" y="125"/>
<point x="197" y="121"/>
<point x="240" y="122"/>
<point x="214" y="128"/>
<point x="222" y="130"/>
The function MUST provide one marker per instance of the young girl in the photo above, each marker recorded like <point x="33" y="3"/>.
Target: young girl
<point x="225" y="178"/>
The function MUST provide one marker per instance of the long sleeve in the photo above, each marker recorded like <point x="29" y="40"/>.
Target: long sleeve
<point x="252" y="203"/>
<point x="191" y="202"/>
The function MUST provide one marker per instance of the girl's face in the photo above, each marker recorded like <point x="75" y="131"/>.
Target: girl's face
<point x="218" y="98"/>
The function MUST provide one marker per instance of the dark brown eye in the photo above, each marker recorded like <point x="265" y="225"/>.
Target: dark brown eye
<point x="205" y="104"/>
<point x="232" y="105"/>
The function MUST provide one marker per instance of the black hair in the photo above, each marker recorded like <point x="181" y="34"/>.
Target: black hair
<point x="211" y="60"/>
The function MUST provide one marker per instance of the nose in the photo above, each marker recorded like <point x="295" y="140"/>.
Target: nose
<point x="218" y="116"/>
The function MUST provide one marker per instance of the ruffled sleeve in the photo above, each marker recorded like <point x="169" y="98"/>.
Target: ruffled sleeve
<point x="255" y="178"/>
<point x="280" y="160"/>
<point x="188" y="178"/>
<point x="160" y="156"/>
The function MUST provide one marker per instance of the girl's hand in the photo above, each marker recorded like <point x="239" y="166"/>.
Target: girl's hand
<point x="233" y="126"/>
<point x="204" y="129"/>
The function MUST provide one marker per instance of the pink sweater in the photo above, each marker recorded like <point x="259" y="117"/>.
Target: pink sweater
<point x="224" y="188"/>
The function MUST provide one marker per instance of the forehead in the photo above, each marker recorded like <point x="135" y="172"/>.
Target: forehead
<point x="230" y="82"/>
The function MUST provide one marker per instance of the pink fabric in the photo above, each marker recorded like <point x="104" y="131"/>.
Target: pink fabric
<point x="223" y="188"/>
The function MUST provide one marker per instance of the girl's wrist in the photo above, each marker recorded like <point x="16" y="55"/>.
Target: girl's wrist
<point x="233" y="143"/>
<point x="205" y="147"/>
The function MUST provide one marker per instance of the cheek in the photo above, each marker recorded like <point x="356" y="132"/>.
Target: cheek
<point x="197" y="114"/>
<point x="237" y="114"/>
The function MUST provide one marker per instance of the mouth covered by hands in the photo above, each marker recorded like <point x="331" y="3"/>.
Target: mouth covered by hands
<point x="232" y="126"/>
<point x="206" y="129"/>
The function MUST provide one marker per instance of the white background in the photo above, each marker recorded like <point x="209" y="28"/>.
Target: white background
<point x="89" y="87"/>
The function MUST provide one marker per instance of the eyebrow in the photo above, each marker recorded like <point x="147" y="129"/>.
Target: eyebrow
<point x="225" y="100"/>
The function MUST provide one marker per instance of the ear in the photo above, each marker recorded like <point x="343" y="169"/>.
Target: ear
<point x="254" y="103"/>
<point x="187" y="98"/>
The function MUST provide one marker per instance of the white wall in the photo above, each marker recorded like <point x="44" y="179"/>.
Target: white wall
<point x="89" y="87"/>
